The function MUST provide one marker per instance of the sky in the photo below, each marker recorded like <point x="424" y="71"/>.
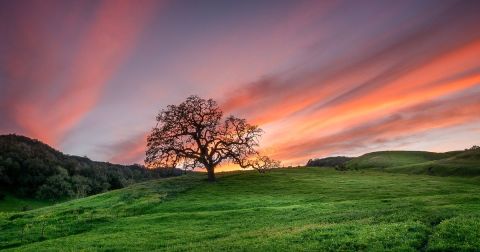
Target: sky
<point x="321" y="78"/>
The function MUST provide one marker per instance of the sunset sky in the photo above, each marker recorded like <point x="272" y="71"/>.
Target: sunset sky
<point x="321" y="78"/>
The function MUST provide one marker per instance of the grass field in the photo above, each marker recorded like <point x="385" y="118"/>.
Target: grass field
<point x="385" y="159"/>
<point x="306" y="209"/>
<point x="13" y="204"/>
<point x="454" y="163"/>
<point x="466" y="163"/>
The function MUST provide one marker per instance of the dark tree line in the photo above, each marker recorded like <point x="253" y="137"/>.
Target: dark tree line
<point x="30" y="168"/>
<point x="337" y="162"/>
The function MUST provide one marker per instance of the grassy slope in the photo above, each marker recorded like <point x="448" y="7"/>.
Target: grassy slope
<point x="466" y="163"/>
<point x="385" y="159"/>
<point x="288" y="209"/>
<point x="11" y="203"/>
<point x="455" y="163"/>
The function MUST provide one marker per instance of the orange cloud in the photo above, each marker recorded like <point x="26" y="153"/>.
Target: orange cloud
<point x="324" y="104"/>
<point x="427" y="83"/>
<point x="404" y="123"/>
<point x="315" y="77"/>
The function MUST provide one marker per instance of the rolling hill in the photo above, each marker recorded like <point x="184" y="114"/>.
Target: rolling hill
<point x="305" y="209"/>
<point x="455" y="163"/>
<point x="385" y="159"/>
<point x="466" y="163"/>
<point x="384" y="201"/>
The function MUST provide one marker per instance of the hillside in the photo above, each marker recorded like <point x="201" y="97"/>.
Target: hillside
<point x="307" y="209"/>
<point x="12" y="203"/>
<point x="454" y="163"/>
<point x="32" y="169"/>
<point x="385" y="159"/>
<point x="465" y="163"/>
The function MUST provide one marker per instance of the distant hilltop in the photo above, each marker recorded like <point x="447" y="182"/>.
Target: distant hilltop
<point x="453" y="163"/>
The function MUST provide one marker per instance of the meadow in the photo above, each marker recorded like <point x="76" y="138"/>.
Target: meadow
<point x="303" y="209"/>
<point x="12" y="203"/>
<point x="454" y="163"/>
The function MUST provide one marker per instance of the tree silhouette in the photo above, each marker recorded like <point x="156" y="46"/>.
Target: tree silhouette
<point x="261" y="163"/>
<point x="194" y="134"/>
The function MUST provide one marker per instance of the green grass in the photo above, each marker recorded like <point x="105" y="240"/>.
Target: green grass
<point x="455" y="163"/>
<point x="12" y="204"/>
<point x="443" y="167"/>
<point x="306" y="209"/>
<point x="385" y="159"/>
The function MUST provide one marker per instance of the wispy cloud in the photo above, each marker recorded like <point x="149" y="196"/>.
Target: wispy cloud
<point x="52" y="89"/>
<point x="414" y="120"/>
<point x="319" y="77"/>
<point x="128" y="151"/>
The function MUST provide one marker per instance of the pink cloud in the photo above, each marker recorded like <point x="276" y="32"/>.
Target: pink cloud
<point x="65" y="89"/>
<point x="129" y="151"/>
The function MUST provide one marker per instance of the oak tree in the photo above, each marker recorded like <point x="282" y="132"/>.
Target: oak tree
<point x="195" y="134"/>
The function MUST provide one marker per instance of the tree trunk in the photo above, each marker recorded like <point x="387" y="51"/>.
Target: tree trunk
<point x="211" y="174"/>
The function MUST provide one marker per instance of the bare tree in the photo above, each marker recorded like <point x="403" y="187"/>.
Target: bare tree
<point x="194" y="134"/>
<point x="261" y="163"/>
